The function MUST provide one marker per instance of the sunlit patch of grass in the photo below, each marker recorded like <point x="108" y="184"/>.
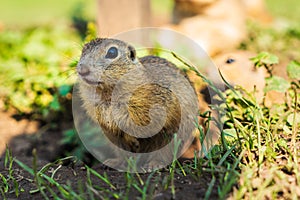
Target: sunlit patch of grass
<point x="270" y="165"/>
<point x="288" y="9"/>
<point x="36" y="76"/>
<point x="281" y="41"/>
<point x="32" y="12"/>
<point x="162" y="7"/>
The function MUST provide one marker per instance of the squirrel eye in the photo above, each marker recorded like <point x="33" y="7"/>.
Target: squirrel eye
<point x="112" y="53"/>
<point x="230" y="60"/>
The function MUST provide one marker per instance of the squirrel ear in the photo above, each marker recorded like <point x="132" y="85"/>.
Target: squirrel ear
<point x="132" y="54"/>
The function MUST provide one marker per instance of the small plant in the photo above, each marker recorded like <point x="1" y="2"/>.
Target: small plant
<point x="9" y="181"/>
<point x="35" y="74"/>
<point x="264" y="138"/>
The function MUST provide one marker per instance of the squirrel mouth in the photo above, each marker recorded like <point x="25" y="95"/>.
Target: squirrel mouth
<point x="96" y="83"/>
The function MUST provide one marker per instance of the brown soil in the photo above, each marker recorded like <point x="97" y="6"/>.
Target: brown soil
<point x="46" y="141"/>
<point x="11" y="127"/>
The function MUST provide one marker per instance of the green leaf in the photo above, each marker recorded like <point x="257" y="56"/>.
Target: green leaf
<point x="264" y="58"/>
<point x="33" y="63"/>
<point x="55" y="105"/>
<point x="230" y="132"/>
<point x="73" y="63"/>
<point x="276" y="83"/>
<point x="25" y="167"/>
<point x="91" y="31"/>
<point x="293" y="70"/>
<point x="69" y="136"/>
<point x="64" y="90"/>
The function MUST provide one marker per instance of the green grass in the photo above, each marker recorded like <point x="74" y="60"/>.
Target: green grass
<point x="35" y="66"/>
<point x="288" y="9"/>
<point x="9" y="180"/>
<point x="18" y="14"/>
<point x="162" y="7"/>
<point x="28" y="12"/>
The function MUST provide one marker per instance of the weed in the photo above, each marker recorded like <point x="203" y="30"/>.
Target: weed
<point x="9" y="181"/>
<point x="35" y="71"/>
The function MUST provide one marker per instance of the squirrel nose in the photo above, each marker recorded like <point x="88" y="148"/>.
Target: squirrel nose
<point x="83" y="69"/>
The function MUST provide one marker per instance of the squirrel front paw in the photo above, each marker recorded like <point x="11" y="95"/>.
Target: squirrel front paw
<point x="132" y="142"/>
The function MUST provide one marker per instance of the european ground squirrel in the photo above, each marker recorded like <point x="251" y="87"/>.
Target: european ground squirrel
<point x="132" y="97"/>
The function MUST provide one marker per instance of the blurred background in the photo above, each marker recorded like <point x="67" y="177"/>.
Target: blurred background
<point x="40" y="43"/>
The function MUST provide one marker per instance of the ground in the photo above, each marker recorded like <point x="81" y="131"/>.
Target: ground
<point x="48" y="148"/>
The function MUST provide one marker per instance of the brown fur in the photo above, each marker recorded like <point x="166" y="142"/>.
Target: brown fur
<point x="242" y="72"/>
<point x="99" y="79"/>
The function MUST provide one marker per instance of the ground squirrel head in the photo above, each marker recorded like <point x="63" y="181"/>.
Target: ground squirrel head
<point x="104" y="61"/>
<point x="237" y="68"/>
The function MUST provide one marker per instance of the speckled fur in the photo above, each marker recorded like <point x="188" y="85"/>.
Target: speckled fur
<point x="97" y="99"/>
